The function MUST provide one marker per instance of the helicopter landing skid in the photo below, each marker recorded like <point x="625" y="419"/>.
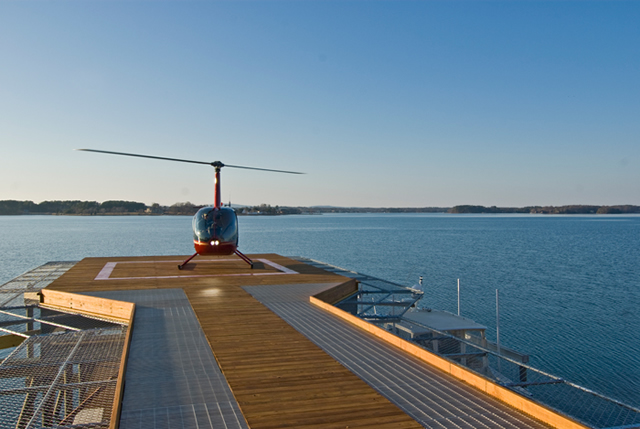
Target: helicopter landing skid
<point x="237" y="252"/>
<point x="181" y="266"/>
<point x="244" y="258"/>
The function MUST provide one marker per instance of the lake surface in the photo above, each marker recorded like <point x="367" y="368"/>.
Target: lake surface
<point x="569" y="285"/>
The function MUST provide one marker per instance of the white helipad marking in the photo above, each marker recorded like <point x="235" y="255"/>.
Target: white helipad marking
<point x="285" y="270"/>
<point x="105" y="273"/>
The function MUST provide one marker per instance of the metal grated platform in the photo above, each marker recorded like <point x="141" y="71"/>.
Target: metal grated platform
<point x="172" y="378"/>
<point x="375" y="302"/>
<point x="61" y="379"/>
<point x="432" y="398"/>
<point x="58" y="369"/>
<point x="11" y="292"/>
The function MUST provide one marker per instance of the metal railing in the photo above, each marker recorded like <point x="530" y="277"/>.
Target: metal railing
<point x="589" y="407"/>
<point x="61" y="379"/>
<point x="57" y="369"/>
<point x="385" y="303"/>
<point x="11" y="293"/>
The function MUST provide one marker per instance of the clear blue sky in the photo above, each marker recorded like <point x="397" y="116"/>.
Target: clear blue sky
<point x="382" y="103"/>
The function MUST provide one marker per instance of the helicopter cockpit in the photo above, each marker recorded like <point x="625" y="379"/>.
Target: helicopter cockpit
<point x="216" y="227"/>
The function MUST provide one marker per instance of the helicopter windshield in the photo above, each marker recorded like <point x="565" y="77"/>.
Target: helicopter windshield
<point x="216" y="224"/>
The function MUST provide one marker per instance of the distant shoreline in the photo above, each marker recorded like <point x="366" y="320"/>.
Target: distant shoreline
<point x="132" y="208"/>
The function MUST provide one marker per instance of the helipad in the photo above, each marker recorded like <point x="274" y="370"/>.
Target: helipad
<point x="222" y="345"/>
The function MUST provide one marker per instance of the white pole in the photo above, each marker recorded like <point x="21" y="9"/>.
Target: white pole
<point x="458" y="297"/>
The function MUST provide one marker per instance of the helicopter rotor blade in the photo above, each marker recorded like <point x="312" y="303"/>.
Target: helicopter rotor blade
<point x="214" y="164"/>
<point x="262" y="169"/>
<point x="145" y="156"/>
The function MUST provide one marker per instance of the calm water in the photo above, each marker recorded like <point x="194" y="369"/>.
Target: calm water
<point x="569" y="286"/>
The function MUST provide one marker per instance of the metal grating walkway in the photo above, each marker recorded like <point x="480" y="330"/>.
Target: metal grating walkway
<point x="434" y="399"/>
<point x="172" y="378"/>
<point x="11" y="293"/>
<point x="61" y="379"/>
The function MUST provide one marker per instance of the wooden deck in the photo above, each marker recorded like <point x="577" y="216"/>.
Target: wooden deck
<point x="278" y="376"/>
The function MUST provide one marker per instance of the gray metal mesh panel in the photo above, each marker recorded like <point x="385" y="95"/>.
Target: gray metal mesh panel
<point x="30" y="320"/>
<point x="432" y="398"/>
<point x="61" y="379"/>
<point x="11" y="293"/>
<point x="64" y="374"/>
<point x="173" y="379"/>
<point x="591" y="408"/>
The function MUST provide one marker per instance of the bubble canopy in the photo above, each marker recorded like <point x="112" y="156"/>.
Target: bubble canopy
<point x="215" y="226"/>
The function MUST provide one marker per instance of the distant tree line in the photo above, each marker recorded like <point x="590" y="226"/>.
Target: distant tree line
<point x="266" y="209"/>
<point x="323" y="209"/>
<point x="12" y="207"/>
<point x="89" y="208"/>
<point x="572" y="209"/>
<point x="117" y="207"/>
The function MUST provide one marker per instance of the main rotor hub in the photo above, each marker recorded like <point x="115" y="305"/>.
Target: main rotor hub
<point x="217" y="164"/>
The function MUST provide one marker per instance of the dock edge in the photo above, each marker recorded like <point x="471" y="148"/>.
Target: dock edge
<point x="325" y="301"/>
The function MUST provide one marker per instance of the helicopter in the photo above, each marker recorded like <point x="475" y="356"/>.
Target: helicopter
<point x="215" y="229"/>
